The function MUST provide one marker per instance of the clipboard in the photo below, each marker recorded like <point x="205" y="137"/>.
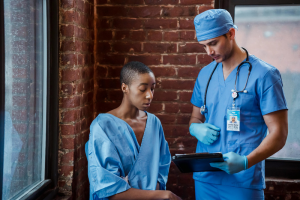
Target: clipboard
<point x="197" y="162"/>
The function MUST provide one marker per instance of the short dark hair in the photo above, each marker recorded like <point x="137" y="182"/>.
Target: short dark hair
<point x="131" y="69"/>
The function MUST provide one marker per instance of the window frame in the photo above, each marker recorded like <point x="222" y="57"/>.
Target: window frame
<point x="48" y="188"/>
<point x="277" y="168"/>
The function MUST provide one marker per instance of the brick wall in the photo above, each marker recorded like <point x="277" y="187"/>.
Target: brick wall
<point x="76" y="85"/>
<point x="161" y="35"/>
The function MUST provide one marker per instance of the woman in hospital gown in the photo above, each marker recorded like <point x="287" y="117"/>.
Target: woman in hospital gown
<point x="128" y="156"/>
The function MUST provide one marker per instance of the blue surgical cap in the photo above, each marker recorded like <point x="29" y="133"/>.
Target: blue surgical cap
<point x="213" y="23"/>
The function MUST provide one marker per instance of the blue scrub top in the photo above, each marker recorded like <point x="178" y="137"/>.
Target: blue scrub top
<point x="265" y="95"/>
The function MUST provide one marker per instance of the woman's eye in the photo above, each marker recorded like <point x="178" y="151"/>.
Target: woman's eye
<point x="143" y="90"/>
<point x="152" y="89"/>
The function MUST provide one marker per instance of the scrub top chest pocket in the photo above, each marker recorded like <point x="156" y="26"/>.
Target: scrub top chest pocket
<point x="246" y="103"/>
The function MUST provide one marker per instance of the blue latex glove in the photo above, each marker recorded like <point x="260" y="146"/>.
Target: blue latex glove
<point x="234" y="163"/>
<point x="205" y="133"/>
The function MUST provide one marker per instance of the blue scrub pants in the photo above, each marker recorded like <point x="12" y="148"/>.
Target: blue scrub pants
<point x="206" y="191"/>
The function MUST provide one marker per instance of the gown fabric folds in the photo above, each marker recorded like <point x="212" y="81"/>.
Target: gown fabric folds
<point x="116" y="161"/>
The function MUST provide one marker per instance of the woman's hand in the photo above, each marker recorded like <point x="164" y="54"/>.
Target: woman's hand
<point x="172" y="196"/>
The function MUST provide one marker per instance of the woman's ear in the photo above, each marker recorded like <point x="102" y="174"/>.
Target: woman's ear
<point x="124" y="88"/>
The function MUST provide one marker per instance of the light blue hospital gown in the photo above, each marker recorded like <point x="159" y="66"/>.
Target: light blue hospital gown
<point x="116" y="161"/>
<point x="265" y="95"/>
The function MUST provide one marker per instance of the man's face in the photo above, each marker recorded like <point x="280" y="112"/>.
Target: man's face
<point x="218" y="48"/>
<point x="233" y="119"/>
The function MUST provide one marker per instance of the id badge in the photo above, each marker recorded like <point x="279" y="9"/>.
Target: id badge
<point x="233" y="119"/>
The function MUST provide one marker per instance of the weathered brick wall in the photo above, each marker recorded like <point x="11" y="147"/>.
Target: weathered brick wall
<point x="76" y="85"/>
<point x="161" y="35"/>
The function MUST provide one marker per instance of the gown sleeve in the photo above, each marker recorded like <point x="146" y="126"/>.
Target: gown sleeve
<point x="164" y="162"/>
<point x="105" y="170"/>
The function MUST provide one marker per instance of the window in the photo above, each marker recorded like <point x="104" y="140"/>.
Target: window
<point x="270" y="31"/>
<point x="28" y="115"/>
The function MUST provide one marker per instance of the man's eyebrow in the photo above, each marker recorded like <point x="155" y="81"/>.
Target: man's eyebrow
<point x="211" y="42"/>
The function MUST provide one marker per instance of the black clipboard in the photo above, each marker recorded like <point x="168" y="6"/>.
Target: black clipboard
<point x="197" y="162"/>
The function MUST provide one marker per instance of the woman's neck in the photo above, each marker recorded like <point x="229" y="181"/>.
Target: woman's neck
<point x="127" y="111"/>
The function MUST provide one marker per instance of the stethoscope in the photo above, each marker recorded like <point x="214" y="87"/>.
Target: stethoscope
<point x="234" y="91"/>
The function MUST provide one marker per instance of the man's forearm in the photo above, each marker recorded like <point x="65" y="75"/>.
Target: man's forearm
<point x="194" y="120"/>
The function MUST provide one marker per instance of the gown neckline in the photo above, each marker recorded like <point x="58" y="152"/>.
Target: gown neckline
<point x="129" y="127"/>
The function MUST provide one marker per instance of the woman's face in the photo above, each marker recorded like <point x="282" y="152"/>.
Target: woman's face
<point x="141" y="90"/>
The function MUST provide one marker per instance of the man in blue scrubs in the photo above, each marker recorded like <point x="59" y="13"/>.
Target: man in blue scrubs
<point x="251" y="93"/>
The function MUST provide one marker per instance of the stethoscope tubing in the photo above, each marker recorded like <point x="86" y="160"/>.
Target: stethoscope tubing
<point x="203" y="108"/>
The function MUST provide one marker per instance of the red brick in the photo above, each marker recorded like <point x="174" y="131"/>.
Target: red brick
<point x="185" y="96"/>
<point x="186" y="24"/>
<point x="188" y="72"/>
<point x="21" y="128"/>
<point x="122" y="35"/>
<point x="68" y="59"/>
<point x="110" y="59"/>
<point x="171" y="36"/>
<point x="160" y="48"/>
<point x="204" y="59"/>
<point x="70" y="74"/>
<point x="70" y="102"/>
<point x="69" y="129"/>
<point x="66" y="171"/>
<point x="162" y="95"/>
<point x="101" y="71"/>
<point x="20" y="59"/>
<point x="111" y="11"/>
<point x="87" y="98"/>
<point x="179" y="59"/>
<point x="114" y="71"/>
<point x="104" y="35"/>
<point x="70" y="116"/>
<point x="101" y="95"/>
<point x="186" y="108"/>
<point x="19" y="115"/>
<point x="187" y="179"/>
<point x="127" y="2"/>
<point x="176" y="130"/>
<point x="177" y="84"/>
<point x="67" y="158"/>
<point x="163" y="71"/>
<point x="127" y="23"/>
<point x="190" y="48"/>
<point x="178" y="11"/>
<point x="19" y="101"/>
<point x="142" y="12"/>
<point x="171" y="107"/>
<point x="83" y="33"/>
<point x="192" y="2"/>
<point x="204" y="8"/>
<point x="155" y="108"/>
<point x="19" y="73"/>
<point x="138" y="35"/>
<point x="100" y="2"/>
<point x="106" y="106"/>
<point x="160" y="2"/>
<point x="109" y="83"/>
<point x="167" y="119"/>
<point x="146" y="59"/>
<point x="20" y="88"/>
<point x="154" y="35"/>
<point x="183" y="119"/>
<point x="187" y="35"/>
<point x="67" y="143"/>
<point x="160" y="23"/>
<point x="114" y="95"/>
<point x="127" y="47"/>
<point x="67" y="16"/>
<point x="103" y="23"/>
